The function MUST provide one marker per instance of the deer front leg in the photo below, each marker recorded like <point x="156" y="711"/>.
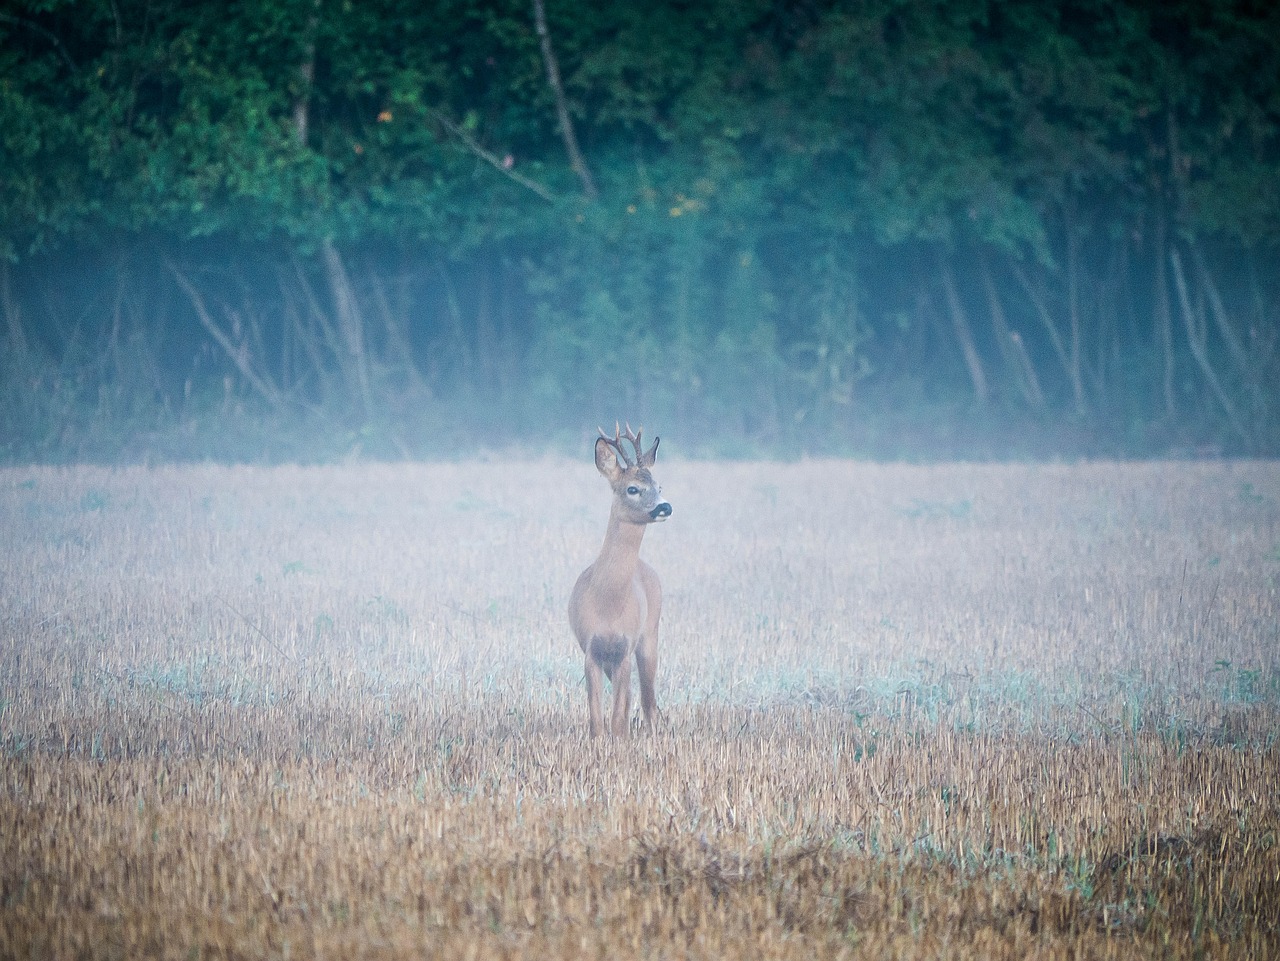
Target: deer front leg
<point x="621" y="697"/>
<point x="647" y="662"/>
<point x="595" y="683"/>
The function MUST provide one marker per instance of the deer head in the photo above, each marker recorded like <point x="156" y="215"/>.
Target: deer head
<point x="637" y="497"/>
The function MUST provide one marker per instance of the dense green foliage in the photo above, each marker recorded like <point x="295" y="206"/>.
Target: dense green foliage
<point x="891" y="226"/>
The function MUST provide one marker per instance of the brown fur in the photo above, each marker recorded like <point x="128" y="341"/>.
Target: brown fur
<point x="616" y="603"/>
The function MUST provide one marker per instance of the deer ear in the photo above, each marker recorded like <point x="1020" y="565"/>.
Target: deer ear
<point x="607" y="461"/>
<point x="648" y="457"/>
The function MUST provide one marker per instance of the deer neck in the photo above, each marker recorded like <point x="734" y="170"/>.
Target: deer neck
<point x="615" y="568"/>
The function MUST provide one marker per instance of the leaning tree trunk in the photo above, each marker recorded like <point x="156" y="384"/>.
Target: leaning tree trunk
<point x="13" y="318"/>
<point x="964" y="333"/>
<point x="1164" y="317"/>
<point x="562" y="109"/>
<point x="1244" y="364"/>
<point x="259" y="379"/>
<point x="1039" y="298"/>
<point x="1197" y="340"/>
<point x="1016" y="359"/>
<point x="353" y="358"/>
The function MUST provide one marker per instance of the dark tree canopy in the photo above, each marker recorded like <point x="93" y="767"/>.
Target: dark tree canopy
<point x="884" y="227"/>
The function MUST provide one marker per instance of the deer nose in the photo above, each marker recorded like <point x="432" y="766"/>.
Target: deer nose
<point x="661" y="512"/>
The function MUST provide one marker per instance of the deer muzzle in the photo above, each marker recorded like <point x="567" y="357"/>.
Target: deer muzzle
<point x="661" y="512"/>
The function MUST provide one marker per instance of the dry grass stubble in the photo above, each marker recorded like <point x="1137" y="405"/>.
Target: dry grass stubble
<point x="967" y="711"/>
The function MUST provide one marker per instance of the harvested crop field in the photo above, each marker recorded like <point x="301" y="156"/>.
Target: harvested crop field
<point x="962" y="711"/>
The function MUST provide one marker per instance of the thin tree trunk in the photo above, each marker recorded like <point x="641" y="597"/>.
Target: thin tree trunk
<point x="1235" y="348"/>
<point x="486" y="347"/>
<point x="355" y="362"/>
<point x="307" y="73"/>
<point x="562" y="109"/>
<point x="1106" y="339"/>
<point x="304" y="335"/>
<point x="1073" y="298"/>
<point x="1039" y="302"/>
<point x="12" y="314"/>
<point x="239" y="354"/>
<point x="964" y="333"/>
<point x="1196" y="338"/>
<point x="288" y="344"/>
<point x="397" y="339"/>
<point x="321" y="320"/>
<point x="1035" y="396"/>
<point x="117" y="314"/>
<point x="352" y="358"/>
<point x="253" y="320"/>
<point x="1262" y="347"/>
<point x="1164" y="318"/>
<point x="462" y="348"/>
<point x="1011" y="347"/>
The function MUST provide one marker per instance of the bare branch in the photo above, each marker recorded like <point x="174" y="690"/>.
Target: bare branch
<point x="51" y="37"/>
<point x="493" y="160"/>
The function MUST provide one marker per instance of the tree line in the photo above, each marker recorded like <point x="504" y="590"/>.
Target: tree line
<point x="886" y="227"/>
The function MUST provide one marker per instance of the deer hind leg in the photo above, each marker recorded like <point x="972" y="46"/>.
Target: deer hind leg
<point x="595" y="686"/>
<point x="621" y="678"/>
<point x="647" y="662"/>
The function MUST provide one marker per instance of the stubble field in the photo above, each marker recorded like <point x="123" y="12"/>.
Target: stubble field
<point x="909" y="712"/>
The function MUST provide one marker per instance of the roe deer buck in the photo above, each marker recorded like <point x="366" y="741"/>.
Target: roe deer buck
<point x="616" y="602"/>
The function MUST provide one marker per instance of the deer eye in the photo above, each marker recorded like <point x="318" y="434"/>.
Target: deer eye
<point x="633" y="490"/>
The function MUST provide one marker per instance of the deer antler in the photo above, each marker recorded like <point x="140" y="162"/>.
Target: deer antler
<point x="643" y="458"/>
<point x="635" y="442"/>
<point x="616" y="442"/>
